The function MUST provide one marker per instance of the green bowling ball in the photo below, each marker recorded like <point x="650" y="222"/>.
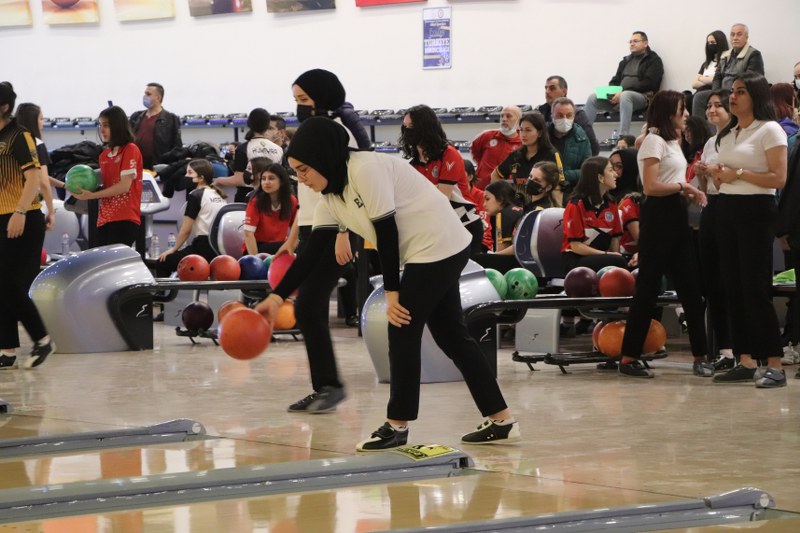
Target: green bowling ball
<point x="268" y="261"/>
<point x="603" y="271"/>
<point x="522" y="284"/>
<point x="81" y="176"/>
<point x="498" y="281"/>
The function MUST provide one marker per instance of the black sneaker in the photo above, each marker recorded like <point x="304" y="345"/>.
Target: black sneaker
<point x="352" y="321"/>
<point x="39" y="353"/>
<point x="772" y="378"/>
<point x="383" y="438"/>
<point x="608" y="365"/>
<point x="8" y="362"/>
<point x="736" y="374"/>
<point x="703" y="369"/>
<point x="326" y="400"/>
<point x="724" y="363"/>
<point x="635" y="369"/>
<point x="301" y="406"/>
<point x="490" y="432"/>
<point x="584" y="326"/>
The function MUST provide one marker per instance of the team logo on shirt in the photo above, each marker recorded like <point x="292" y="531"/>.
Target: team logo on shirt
<point x="493" y="143"/>
<point x="358" y="201"/>
<point x="435" y="171"/>
<point x="450" y="165"/>
<point x="609" y="216"/>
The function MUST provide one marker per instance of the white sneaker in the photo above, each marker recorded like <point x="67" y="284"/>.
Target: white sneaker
<point x="791" y="356"/>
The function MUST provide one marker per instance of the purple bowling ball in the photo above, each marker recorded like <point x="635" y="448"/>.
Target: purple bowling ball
<point x="581" y="282"/>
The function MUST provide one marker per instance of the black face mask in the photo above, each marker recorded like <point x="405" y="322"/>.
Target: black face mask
<point x="410" y="135"/>
<point x="247" y="177"/>
<point x="304" y="112"/>
<point x="533" y="188"/>
<point x="711" y="49"/>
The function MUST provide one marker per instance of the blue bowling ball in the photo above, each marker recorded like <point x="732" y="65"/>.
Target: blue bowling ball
<point x="252" y="267"/>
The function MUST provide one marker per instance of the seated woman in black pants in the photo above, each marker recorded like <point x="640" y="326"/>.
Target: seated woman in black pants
<point x="389" y="203"/>
<point x="504" y="215"/>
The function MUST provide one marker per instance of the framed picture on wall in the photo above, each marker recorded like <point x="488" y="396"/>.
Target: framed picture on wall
<point x="144" y="9"/>
<point x="290" y="6"/>
<point x="202" y="8"/>
<point x="365" y="3"/>
<point x="15" y="13"/>
<point x="70" y="11"/>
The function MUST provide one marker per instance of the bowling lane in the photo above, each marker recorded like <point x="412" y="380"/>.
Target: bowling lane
<point x="475" y="496"/>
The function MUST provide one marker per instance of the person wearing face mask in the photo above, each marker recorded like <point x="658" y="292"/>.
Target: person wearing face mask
<point x="556" y="87"/>
<point x="570" y="141"/>
<point x="504" y="213"/>
<point x="156" y="130"/>
<point x="739" y="59"/>
<point x="716" y="44"/>
<point x="257" y="144"/>
<point x="542" y="186"/>
<point x="491" y="147"/>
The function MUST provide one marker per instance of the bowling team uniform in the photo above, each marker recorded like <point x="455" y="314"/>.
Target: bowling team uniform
<point x="202" y="206"/>
<point x="19" y="257"/>
<point x="489" y="149"/>
<point x="119" y="216"/>
<point x="665" y="247"/>
<point x="255" y="147"/>
<point x="593" y="226"/>
<point x="629" y="209"/>
<point x="503" y="226"/>
<point x="269" y="229"/>
<point x="476" y="196"/>
<point x="517" y="167"/>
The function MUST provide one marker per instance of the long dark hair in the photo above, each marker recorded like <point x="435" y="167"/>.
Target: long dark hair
<point x="723" y="95"/>
<point x="660" y="112"/>
<point x="119" y="126"/>
<point x="722" y="46"/>
<point x="700" y="132"/>
<point x="758" y="88"/>
<point x="28" y="118"/>
<point x="536" y="120"/>
<point x="783" y="98"/>
<point x="263" y="202"/>
<point x="429" y="132"/>
<point x="205" y="171"/>
<point x="503" y="191"/>
<point x="588" y="185"/>
<point x="551" y="176"/>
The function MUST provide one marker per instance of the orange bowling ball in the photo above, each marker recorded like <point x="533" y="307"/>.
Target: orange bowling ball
<point x="656" y="338"/>
<point x="596" y="335"/>
<point x="609" y="341"/>
<point x="227" y="307"/>
<point x="193" y="267"/>
<point x="65" y="3"/>
<point x="617" y="282"/>
<point x="284" y="318"/>
<point x="225" y="268"/>
<point x="244" y="334"/>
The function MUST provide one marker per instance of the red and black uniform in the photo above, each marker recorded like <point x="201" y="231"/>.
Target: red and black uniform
<point x="477" y="198"/>
<point x="629" y="212"/>
<point x="517" y="167"/>
<point x="119" y="216"/>
<point x="489" y="149"/>
<point x="593" y="226"/>
<point x="268" y="228"/>
<point x="504" y="225"/>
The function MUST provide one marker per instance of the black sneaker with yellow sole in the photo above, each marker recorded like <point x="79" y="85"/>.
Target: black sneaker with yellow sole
<point x="384" y="438"/>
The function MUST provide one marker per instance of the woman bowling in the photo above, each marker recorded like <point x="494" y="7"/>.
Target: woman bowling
<point x="389" y="203"/>
<point x="665" y="239"/>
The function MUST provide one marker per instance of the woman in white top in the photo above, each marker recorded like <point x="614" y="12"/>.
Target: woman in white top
<point x="716" y="44"/>
<point x="665" y="239"/>
<point x="751" y="166"/>
<point x="389" y="203"/>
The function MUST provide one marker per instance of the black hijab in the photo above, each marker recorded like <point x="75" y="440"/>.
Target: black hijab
<point x="628" y="182"/>
<point x="324" y="88"/>
<point x="322" y="144"/>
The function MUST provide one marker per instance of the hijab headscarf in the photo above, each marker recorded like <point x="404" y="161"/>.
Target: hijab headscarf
<point x="322" y="144"/>
<point x="324" y="88"/>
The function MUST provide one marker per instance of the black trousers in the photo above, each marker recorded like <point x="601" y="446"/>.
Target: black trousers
<point x="665" y="246"/>
<point x="430" y="292"/>
<point x="713" y="282"/>
<point x="200" y="245"/>
<point x="20" y="259"/>
<point x="122" y="232"/>
<point x="746" y="232"/>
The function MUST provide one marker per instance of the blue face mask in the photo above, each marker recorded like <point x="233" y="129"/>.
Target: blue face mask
<point x="147" y="101"/>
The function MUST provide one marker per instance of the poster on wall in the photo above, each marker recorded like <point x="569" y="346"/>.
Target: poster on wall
<point x="202" y="8"/>
<point x="290" y="6"/>
<point x="70" y="11"/>
<point x="436" y="33"/>
<point x="364" y="3"/>
<point x="15" y="13"/>
<point x="128" y="10"/>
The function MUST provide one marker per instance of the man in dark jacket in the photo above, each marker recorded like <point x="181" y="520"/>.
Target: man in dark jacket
<point x="556" y="87"/>
<point x="639" y="74"/>
<point x="738" y="60"/>
<point x="157" y="130"/>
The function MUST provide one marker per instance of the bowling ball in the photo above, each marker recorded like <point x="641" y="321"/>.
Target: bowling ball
<point x="197" y="316"/>
<point x="227" y="307"/>
<point x="596" y="335"/>
<point x="499" y="282"/>
<point x="617" y="282"/>
<point x="656" y="338"/>
<point x="252" y="268"/>
<point x="635" y="273"/>
<point x="65" y="3"/>
<point x="244" y="334"/>
<point x="193" y="267"/>
<point x="82" y="176"/>
<point x="609" y="340"/>
<point x="278" y="268"/>
<point x="522" y="284"/>
<point x="284" y="318"/>
<point x="43" y="259"/>
<point x="225" y="268"/>
<point x="603" y="271"/>
<point x="581" y="282"/>
<point x="268" y="261"/>
<point x="262" y="255"/>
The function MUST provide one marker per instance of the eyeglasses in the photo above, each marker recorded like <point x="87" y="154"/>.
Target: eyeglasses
<point x="635" y="41"/>
<point x="617" y="166"/>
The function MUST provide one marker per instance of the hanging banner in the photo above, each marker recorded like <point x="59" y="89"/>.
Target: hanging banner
<point x="436" y="34"/>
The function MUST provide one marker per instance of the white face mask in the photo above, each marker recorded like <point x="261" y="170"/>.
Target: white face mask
<point x="563" y="125"/>
<point x="797" y="84"/>
<point x="508" y="132"/>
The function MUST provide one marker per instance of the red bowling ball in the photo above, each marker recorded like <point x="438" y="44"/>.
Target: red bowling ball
<point x="193" y="268"/>
<point x="244" y="334"/>
<point x="225" y="268"/>
<point x="617" y="282"/>
<point x="609" y="341"/>
<point x="278" y="268"/>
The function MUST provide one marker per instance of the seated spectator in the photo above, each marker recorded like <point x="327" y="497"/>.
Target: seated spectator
<point x="624" y="164"/>
<point x="504" y="214"/>
<point x="556" y="87"/>
<point x="570" y="141"/>
<point x="784" y="101"/>
<point x="542" y="187"/>
<point x="202" y="205"/>
<point x="625" y="141"/>
<point x="738" y="60"/>
<point x="491" y="147"/>
<point x="271" y="210"/>
<point x="716" y="44"/>
<point x="629" y="209"/>
<point x="592" y="227"/>
<point x="639" y="74"/>
<point x="476" y="197"/>
<point x="535" y="147"/>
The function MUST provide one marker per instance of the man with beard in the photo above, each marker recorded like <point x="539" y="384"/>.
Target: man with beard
<point x="491" y="147"/>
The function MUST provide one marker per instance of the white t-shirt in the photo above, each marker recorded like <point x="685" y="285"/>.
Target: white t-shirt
<point x="672" y="166"/>
<point x="203" y="205"/>
<point x="749" y="151"/>
<point x="380" y="185"/>
<point x="261" y="147"/>
<point x="710" y="157"/>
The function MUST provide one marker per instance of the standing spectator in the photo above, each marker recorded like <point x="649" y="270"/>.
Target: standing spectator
<point x="797" y="86"/>
<point x="556" y="87"/>
<point x="569" y="140"/>
<point x="739" y="59"/>
<point x="491" y="147"/>
<point x="639" y="74"/>
<point x="752" y="165"/>
<point x="716" y="44"/>
<point x="29" y="116"/>
<point x="156" y="130"/>
<point x="785" y="102"/>
<point x="22" y="228"/>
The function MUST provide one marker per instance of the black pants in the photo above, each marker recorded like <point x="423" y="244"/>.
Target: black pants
<point x="268" y="247"/>
<point x="746" y="233"/>
<point x="20" y="259"/>
<point x="475" y="228"/>
<point x="665" y="246"/>
<point x="200" y="245"/>
<point x="430" y="292"/>
<point x="595" y="262"/>
<point x="713" y="283"/>
<point x="122" y="232"/>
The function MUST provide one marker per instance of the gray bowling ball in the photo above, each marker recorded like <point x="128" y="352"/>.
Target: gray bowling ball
<point x="436" y="366"/>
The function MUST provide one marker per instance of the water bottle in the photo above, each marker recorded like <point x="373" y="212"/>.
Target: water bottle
<point x="171" y="240"/>
<point x="155" y="250"/>
<point x="65" y="244"/>
<point x="614" y="137"/>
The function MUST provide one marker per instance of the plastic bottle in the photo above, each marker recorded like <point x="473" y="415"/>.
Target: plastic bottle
<point x="155" y="250"/>
<point x="65" y="244"/>
<point x="171" y="240"/>
<point x="614" y="136"/>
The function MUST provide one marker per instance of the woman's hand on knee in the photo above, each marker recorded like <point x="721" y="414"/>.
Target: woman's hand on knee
<point x="397" y="314"/>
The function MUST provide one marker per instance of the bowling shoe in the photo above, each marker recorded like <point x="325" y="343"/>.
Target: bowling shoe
<point x="384" y="438"/>
<point x="8" y="361"/>
<point x="737" y="374"/>
<point x="635" y="369"/>
<point x="771" y="378"/>
<point x="490" y="432"/>
<point x="39" y="354"/>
